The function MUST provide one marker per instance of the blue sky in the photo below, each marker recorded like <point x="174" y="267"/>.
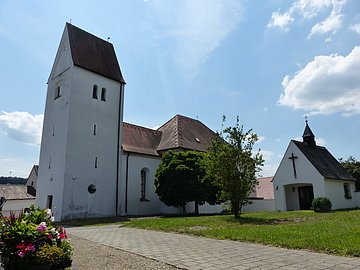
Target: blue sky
<point x="271" y="62"/>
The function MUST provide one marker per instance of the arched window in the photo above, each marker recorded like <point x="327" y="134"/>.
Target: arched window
<point x="143" y="185"/>
<point x="95" y="91"/>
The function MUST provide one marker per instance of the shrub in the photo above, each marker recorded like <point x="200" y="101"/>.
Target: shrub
<point x="321" y="204"/>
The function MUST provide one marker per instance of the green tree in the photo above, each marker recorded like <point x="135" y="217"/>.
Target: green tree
<point x="233" y="165"/>
<point x="180" y="178"/>
<point x="352" y="166"/>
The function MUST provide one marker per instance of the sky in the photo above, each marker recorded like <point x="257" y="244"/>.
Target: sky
<point x="270" y="62"/>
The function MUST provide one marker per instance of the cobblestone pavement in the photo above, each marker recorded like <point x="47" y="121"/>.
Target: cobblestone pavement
<point x="191" y="252"/>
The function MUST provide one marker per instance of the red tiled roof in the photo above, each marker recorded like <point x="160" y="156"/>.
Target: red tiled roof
<point x="14" y="192"/>
<point x="185" y="133"/>
<point x="141" y="140"/>
<point x="179" y="132"/>
<point x="265" y="188"/>
<point x="93" y="53"/>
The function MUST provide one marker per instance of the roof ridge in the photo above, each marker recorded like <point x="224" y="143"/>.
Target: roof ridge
<point x="141" y="127"/>
<point x="176" y="134"/>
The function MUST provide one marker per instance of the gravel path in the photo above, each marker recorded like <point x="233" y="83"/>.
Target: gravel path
<point x="90" y="255"/>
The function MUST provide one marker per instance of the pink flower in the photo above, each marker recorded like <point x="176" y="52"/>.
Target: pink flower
<point x="30" y="247"/>
<point x="42" y="227"/>
<point x="21" y="254"/>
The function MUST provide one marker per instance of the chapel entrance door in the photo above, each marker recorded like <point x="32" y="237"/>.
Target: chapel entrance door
<point x="306" y="195"/>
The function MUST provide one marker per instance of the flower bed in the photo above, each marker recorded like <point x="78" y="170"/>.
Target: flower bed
<point x="31" y="241"/>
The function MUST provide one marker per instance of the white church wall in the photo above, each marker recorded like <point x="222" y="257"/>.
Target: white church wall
<point x="91" y="147"/>
<point x="292" y="198"/>
<point x="152" y="204"/>
<point x="335" y="192"/>
<point x="305" y="174"/>
<point x="260" y="206"/>
<point x="357" y="199"/>
<point x="54" y="134"/>
<point x="205" y="208"/>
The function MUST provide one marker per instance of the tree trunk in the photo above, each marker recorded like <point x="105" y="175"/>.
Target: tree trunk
<point x="235" y="209"/>
<point x="196" y="208"/>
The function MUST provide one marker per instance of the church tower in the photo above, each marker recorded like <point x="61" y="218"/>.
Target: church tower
<point x="80" y="149"/>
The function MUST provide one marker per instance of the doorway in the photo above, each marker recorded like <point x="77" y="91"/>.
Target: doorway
<point x="306" y="196"/>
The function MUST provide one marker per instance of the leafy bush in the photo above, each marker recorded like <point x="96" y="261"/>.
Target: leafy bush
<point x="321" y="204"/>
<point x="31" y="239"/>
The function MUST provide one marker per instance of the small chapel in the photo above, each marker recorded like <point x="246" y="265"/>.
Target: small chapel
<point x="307" y="171"/>
<point x="92" y="164"/>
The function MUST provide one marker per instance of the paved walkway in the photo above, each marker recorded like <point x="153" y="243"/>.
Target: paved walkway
<point x="190" y="252"/>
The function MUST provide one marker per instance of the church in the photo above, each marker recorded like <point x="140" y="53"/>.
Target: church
<point x="92" y="164"/>
<point x="307" y="171"/>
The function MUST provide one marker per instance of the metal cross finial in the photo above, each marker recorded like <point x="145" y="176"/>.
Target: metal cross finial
<point x="306" y="119"/>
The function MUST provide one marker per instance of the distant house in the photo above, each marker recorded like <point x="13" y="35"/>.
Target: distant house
<point x="32" y="180"/>
<point x="264" y="189"/>
<point x="307" y="171"/>
<point x="14" y="198"/>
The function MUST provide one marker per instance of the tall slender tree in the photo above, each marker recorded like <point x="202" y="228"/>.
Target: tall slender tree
<point x="233" y="165"/>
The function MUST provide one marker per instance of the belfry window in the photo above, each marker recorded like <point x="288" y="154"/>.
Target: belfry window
<point x="95" y="91"/>
<point x="103" y="94"/>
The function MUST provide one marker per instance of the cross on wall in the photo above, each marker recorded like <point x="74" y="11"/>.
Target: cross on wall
<point x="293" y="157"/>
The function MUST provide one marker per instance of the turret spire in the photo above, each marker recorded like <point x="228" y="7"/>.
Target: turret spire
<point x="308" y="135"/>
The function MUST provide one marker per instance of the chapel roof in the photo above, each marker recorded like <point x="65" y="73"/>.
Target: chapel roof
<point x="324" y="161"/>
<point x="93" y="53"/>
<point x="185" y="133"/>
<point x="180" y="132"/>
<point x="14" y="192"/>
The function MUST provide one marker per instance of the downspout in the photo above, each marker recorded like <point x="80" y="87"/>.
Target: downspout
<point x="118" y="155"/>
<point x="126" y="183"/>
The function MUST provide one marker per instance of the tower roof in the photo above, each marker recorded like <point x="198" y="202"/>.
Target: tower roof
<point x="308" y="135"/>
<point x="93" y="53"/>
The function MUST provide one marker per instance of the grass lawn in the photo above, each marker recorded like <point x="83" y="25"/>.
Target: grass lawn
<point x="334" y="233"/>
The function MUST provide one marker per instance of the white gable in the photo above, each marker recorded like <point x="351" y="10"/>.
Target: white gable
<point x="63" y="60"/>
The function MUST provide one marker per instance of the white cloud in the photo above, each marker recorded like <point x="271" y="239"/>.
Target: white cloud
<point x="268" y="170"/>
<point x="266" y="154"/>
<point x="330" y="24"/>
<point x="198" y="27"/>
<point x="22" y="126"/>
<point x="281" y="21"/>
<point x="328" y="84"/>
<point x="310" y="9"/>
<point x="17" y="166"/>
<point x="356" y="28"/>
